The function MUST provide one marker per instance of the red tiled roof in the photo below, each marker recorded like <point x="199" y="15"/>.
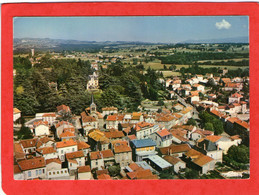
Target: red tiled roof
<point x="67" y="134"/>
<point x="33" y="163"/>
<point x="63" y="123"/>
<point x="16" y="110"/>
<point x="16" y="169"/>
<point x="38" y="123"/>
<point x="67" y="143"/>
<point x="114" y="134"/>
<point x="173" y="149"/>
<point x="132" y="137"/>
<point x="18" y="151"/>
<point x="171" y="159"/>
<point x="104" y="177"/>
<point x="84" y="169"/>
<point x="163" y="133"/>
<point x="82" y="145"/>
<point x="236" y="95"/>
<point x="109" y="108"/>
<point x="103" y="171"/>
<point x="100" y="154"/>
<point x="49" y="115"/>
<point x="242" y="123"/>
<point x="86" y="118"/>
<point x="134" y="167"/>
<point x="141" y="174"/>
<point x="213" y="138"/>
<point x="56" y="160"/>
<point x="73" y="155"/>
<point x="46" y="150"/>
<point x="28" y="143"/>
<point x="142" y="125"/>
<point x="122" y="146"/>
<point x="63" y="108"/>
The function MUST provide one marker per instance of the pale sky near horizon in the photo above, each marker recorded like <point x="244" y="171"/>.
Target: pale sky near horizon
<point x="166" y="29"/>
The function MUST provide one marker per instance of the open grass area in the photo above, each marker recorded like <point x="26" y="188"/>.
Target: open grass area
<point x="168" y="73"/>
<point x="235" y="60"/>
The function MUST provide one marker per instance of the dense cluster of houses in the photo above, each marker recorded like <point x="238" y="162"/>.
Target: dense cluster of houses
<point x="141" y="144"/>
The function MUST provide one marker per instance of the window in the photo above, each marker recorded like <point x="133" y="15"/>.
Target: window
<point x="80" y="163"/>
<point x="73" y="149"/>
<point x="40" y="172"/>
<point x="96" y="163"/>
<point x="61" y="151"/>
<point x="43" y="170"/>
<point x="29" y="173"/>
<point x="54" y="173"/>
<point x="37" y="172"/>
<point x="49" y="173"/>
<point x="61" y="172"/>
<point x="57" y="172"/>
<point x="70" y="164"/>
<point x="65" y="171"/>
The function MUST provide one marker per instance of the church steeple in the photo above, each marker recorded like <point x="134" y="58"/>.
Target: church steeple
<point x="92" y="106"/>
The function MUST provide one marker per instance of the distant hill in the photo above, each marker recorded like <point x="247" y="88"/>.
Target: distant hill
<point x="223" y="40"/>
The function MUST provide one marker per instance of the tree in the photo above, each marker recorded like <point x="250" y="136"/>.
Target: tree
<point x="218" y="126"/>
<point x="209" y="126"/>
<point x="239" y="154"/>
<point x="114" y="170"/>
<point x="167" y="173"/>
<point x="24" y="133"/>
<point x="191" y="174"/>
<point x="192" y="122"/>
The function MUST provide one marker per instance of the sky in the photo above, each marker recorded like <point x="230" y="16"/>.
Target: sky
<point x="163" y="29"/>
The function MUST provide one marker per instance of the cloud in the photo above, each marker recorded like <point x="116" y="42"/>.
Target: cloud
<point x="223" y="24"/>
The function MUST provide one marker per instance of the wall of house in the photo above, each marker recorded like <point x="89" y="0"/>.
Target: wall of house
<point x="58" y="174"/>
<point x="85" y="176"/>
<point x="217" y="155"/>
<point x="41" y="130"/>
<point x="35" y="173"/>
<point x="99" y="163"/>
<point x="123" y="158"/>
<point x="19" y="176"/>
<point x="53" y="166"/>
<point x="50" y="156"/>
<point x="179" y="165"/>
<point x="225" y="145"/>
<point x="63" y="151"/>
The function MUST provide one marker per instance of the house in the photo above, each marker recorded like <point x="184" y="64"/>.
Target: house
<point x="143" y="130"/>
<point x="175" y="150"/>
<point x="231" y="86"/>
<point x="109" y="110"/>
<point x="167" y="120"/>
<point x="18" y="175"/>
<point x="141" y="174"/>
<point x="29" y="145"/>
<point x="235" y="98"/>
<point x="16" y="114"/>
<point x="163" y="138"/>
<point x="41" y="128"/>
<point x="45" y="142"/>
<point x="47" y="152"/>
<point x="177" y="163"/>
<point x="158" y="163"/>
<point x="93" y="83"/>
<point x="50" y="118"/>
<point x="113" y="121"/>
<point x="142" y="148"/>
<point x="198" y="87"/>
<point x="179" y="136"/>
<point x="136" y="117"/>
<point x="53" y="164"/>
<point x="122" y="152"/>
<point x="74" y="160"/>
<point x="114" y="134"/>
<point x="199" y="161"/>
<point x="60" y="126"/>
<point x="19" y="153"/>
<point x="178" y="106"/>
<point x="97" y="140"/>
<point x="33" y="168"/>
<point x="84" y="173"/>
<point x="63" y="109"/>
<point x="210" y="149"/>
<point x="81" y="145"/>
<point x="199" y="133"/>
<point x="67" y="135"/>
<point x="64" y="147"/>
<point x="224" y="142"/>
<point x="102" y="159"/>
<point x="88" y="122"/>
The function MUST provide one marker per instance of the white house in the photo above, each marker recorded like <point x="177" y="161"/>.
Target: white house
<point x="53" y="164"/>
<point x="47" y="152"/>
<point x="84" y="173"/>
<point x="41" y="128"/>
<point x="33" y="168"/>
<point x="163" y="138"/>
<point x="144" y="130"/>
<point x="16" y="114"/>
<point x="177" y="163"/>
<point x="64" y="147"/>
<point x="109" y="110"/>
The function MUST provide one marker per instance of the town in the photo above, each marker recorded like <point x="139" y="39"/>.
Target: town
<point x="132" y="111"/>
